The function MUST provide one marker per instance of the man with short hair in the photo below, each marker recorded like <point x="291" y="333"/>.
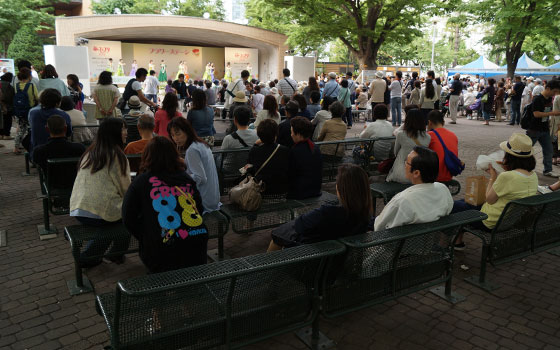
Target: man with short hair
<point x="243" y="136"/>
<point x="134" y="88"/>
<point x="425" y="201"/>
<point x="238" y="85"/>
<point x="538" y="128"/>
<point x="314" y="106"/>
<point x="181" y="87"/>
<point x="25" y="64"/>
<point x="377" y="89"/>
<point x="287" y="86"/>
<point x="379" y="128"/>
<point x="152" y="85"/>
<point x="456" y="89"/>
<point x="435" y="127"/>
<point x="516" y="95"/>
<point x="351" y="87"/>
<point x="57" y="145"/>
<point x="146" y="125"/>
<point x="331" y="87"/>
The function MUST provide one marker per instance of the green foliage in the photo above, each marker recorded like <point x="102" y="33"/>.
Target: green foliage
<point x="26" y="44"/>
<point x="197" y="8"/>
<point x="194" y="8"/>
<point x="543" y="46"/>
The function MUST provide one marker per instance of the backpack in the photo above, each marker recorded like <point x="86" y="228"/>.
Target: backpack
<point x="452" y="162"/>
<point x="527" y="116"/>
<point x="21" y="101"/>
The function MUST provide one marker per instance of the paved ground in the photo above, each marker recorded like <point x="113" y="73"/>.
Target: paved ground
<point x="37" y="311"/>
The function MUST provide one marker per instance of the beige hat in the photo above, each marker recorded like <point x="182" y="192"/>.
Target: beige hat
<point x="240" y="97"/>
<point x="274" y="91"/>
<point x="530" y="78"/>
<point x="332" y="75"/>
<point x="134" y="102"/>
<point x="518" y="145"/>
<point x="135" y="113"/>
<point x="379" y="74"/>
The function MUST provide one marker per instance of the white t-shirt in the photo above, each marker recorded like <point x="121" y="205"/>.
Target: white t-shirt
<point x="152" y="85"/>
<point x="396" y="88"/>
<point x="417" y="204"/>
<point x="258" y="100"/>
<point x="379" y="128"/>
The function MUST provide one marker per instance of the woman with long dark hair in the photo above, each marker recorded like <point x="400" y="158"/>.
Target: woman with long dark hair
<point x="101" y="183"/>
<point x="177" y="239"/>
<point x="75" y="88"/>
<point x="167" y="112"/>
<point x="201" y="117"/>
<point x="350" y="217"/>
<point x="428" y="97"/>
<point x="199" y="160"/>
<point x="311" y="86"/>
<point x="270" y="111"/>
<point x="49" y="80"/>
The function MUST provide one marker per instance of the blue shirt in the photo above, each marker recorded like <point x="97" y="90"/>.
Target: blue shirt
<point x="202" y="120"/>
<point x="331" y="89"/>
<point x="38" y="121"/>
<point x="202" y="169"/>
<point x="313" y="109"/>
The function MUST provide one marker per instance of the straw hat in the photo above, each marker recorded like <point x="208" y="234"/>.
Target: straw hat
<point x="240" y="97"/>
<point x="332" y="75"/>
<point x="274" y="91"/>
<point x="518" y="145"/>
<point x="135" y="113"/>
<point x="379" y="74"/>
<point x="134" y="102"/>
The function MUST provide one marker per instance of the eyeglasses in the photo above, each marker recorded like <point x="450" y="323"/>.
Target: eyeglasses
<point x="407" y="163"/>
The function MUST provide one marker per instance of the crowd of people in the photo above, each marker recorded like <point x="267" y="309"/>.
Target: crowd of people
<point x="177" y="181"/>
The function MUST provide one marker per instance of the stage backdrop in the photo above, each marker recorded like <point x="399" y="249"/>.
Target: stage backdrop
<point x="99" y="52"/>
<point x="239" y="57"/>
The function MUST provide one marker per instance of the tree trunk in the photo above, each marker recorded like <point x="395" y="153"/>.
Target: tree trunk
<point x="367" y="61"/>
<point x="456" y="48"/>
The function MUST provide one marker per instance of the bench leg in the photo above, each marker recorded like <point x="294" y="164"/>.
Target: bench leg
<point x="555" y="251"/>
<point x="27" y="171"/>
<point x="314" y="339"/>
<point x="481" y="281"/>
<point x="445" y="292"/>
<point x="46" y="231"/>
<point x="81" y="284"/>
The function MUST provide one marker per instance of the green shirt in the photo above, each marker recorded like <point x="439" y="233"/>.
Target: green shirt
<point x="509" y="185"/>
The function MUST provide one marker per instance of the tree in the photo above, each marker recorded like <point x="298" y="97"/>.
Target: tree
<point x="194" y="8"/>
<point x="34" y="14"/>
<point x="26" y="44"/>
<point x="542" y="48"/>
<point x="513" y="21"/>
<point x="197" y="8"/>
<point x="362" y="25"/>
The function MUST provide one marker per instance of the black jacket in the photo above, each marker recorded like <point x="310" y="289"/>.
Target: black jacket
<point x="306" y="168"/>
<point x="181" y="89"/>
<point x="170" y="238"/>
<point x="57" y="147"/>
<point x="285" y="133"/>
<point x="275" y="173"/>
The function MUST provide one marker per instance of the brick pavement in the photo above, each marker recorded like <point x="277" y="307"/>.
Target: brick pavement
<point x="37" y="311"/>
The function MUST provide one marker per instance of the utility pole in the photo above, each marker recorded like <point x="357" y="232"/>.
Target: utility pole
<point x="433" y="44"/>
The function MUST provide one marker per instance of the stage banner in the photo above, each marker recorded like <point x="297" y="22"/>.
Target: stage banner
<point x="241" y="58"/>
<point x="99" y="52"/>
<point x="8" y="64"/>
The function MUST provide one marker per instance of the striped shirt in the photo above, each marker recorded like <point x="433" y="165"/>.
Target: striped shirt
<point x="287" y="86"/>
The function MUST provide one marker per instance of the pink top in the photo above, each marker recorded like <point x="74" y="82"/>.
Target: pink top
<point x="161" y="122"/>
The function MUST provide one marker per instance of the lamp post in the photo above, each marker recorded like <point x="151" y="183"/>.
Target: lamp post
<point x="433" y="43"/>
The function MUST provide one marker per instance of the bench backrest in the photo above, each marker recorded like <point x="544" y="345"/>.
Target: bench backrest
<point x="547" y="230"/>
<point x="233" y="302"/>
<point x="228" y="162"/>
<point x="132" y="129"/>
<point x="383" y="265"/>
<point x="61" y="173"/>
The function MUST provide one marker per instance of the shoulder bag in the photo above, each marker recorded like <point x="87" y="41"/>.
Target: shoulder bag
<point x="248" y="193"/>
<point x="452" y="162"/>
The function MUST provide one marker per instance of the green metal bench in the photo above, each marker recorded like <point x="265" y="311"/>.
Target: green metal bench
<point x="227" y="304"/>
<point x="27" y="159"/>
<point x="384" y="265"/>
<point x="526" y="226"/>
<point x="228" y="162"/>
<point x="387" y="190"/>
<point x="76" y="129"/>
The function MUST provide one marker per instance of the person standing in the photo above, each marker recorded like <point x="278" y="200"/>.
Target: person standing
<point x="344" y="98"/>
<point x="7" y="105"/>
<point x="152" y="86"/>
<point x="49" y="80"/>
<point x="499" y="101"/>
<point x="377" y="89"/>
<point x="287" y="86"/>
<point x="351" y="87"/>
<point x="487" y="106"/>
<point x="181" y="88"/>
<point x="538" y="128"/>
<point x="106" y="95"/>
<point x="238" y="85"/>
<point x="396" y="99"/>
<point x="516" y="95"/>
<point x="25" y="98"/>
<point x="456" y="89"/>
<point x="331" y="87"/>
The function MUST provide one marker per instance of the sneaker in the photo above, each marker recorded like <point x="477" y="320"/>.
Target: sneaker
<point x="544" y="189"/>
<point x="460" y="246"/>
<point x="550" y="174"/>
<point x="453" y="123"/>
<point x="8" y="138"/>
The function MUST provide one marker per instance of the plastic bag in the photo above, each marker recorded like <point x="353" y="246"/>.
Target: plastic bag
<point x="493" y="158"/>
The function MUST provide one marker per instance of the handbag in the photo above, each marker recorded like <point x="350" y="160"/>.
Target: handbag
<point x="484" y="98"/>
<point x="385" y="165"/>
<point x="248" y="193"/>
<point x="452" y="162"/>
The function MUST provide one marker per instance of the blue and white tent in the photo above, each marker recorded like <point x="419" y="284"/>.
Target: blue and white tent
<point x="481" y="66"/>
<point x="555" y="66"/>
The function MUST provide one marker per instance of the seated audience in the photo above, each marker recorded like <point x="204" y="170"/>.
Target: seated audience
<point x="102" y="180"/>
<point x="284" y="129"/>
<point x="269" y="111"/>
<point x="330" y="221"/>
<point x="145" y="127"/>
<point x="179" y="239"/>
<point x="435" y="125"/>
<point x="167" y="112"/>
<point x="57" y="146"/>
<point x="361" y="99"/>
<point x="77" y="118"/>
<point x="314" y="107"/>
<point x="302" y="103"/>
<point x="210" y="94"/>
<point x="275" y="174"/>
<point x="411" y="135"/>
<point x="379" y="128"/>
<point x="199" y="160"/>
<point x="282" y="106"/>
<point x="322" y="116"/>
<point x="49" y="103"/>
<point x="201" y="117"/>
<point x="243" y="137"/>
<point x="257" y="100"/>
<point x="424" y="201"/>
<point x="334" y="129"/>
<point x="516" y="182"/>
<point x="306" y="166"/>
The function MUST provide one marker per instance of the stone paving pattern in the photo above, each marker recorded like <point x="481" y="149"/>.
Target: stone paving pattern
<point x="37" y="311"/>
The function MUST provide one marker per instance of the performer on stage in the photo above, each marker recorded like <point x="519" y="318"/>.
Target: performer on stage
<point x="206" y="74"/>
<point x="151" y="66"/>
<point x="186" y="70"/>
<point x="134" y="68"/>
<point x="250" y="70"/>
<point x="180" y="71"/>
<point x="162" y="73"/>
<point x="120" y="68"/>
<point x="227" y="74"/>
<point x="110" y="65"/>
<point x="212" y="70"/>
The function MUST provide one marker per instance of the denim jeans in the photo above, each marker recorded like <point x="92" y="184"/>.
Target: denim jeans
<point x="152" y="97"/>
<point x="486" y="115"/>
<point x="347" y="117"/>
<point x="545" y="140"/>
<point x="396" y="107"/>
<point x="96" y="248"/>
<point x="515" y="112"/>
<point x="461" y="205"/>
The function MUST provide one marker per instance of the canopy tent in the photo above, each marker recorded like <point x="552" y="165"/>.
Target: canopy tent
<point x="554" y="66"/>
<point x="524" y="62"/>
<point x="481" y="66"/>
